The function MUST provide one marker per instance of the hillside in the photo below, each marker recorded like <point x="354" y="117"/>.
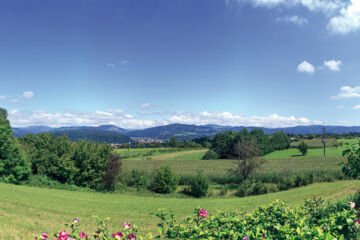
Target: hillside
<point x="181" y="131"/>
<point x="95" y="135"/>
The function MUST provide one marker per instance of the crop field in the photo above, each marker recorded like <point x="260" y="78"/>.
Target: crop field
<point x="26" y="211"/>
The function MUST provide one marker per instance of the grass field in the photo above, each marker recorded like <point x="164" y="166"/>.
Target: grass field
<point x="289" y="160"/>
<point x="25" y="211"/>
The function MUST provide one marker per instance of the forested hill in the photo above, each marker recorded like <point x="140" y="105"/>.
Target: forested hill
<point x="95" y="135"/>
<point x="114" y="134"/>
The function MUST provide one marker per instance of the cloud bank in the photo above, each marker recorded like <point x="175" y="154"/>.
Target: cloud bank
<point x="125" y="120"/>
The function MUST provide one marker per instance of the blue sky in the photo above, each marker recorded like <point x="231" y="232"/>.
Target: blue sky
<point x="145" y="63"/>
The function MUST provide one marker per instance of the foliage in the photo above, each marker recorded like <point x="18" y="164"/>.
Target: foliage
<point x="280" y="141"/>
<point x="313" y="220"/>
<point x="210" y="154"/>
<point x="14" y="166"/>
<point x="81" y="163"/>
<point x="112" y="172"/>
<point x="199" y="186"/>
<point x="173" y="142"/>
<point x="351" y="167"/>
<point x="164" y="181"/>
<point x="303" y="148"/>
<point x="102" y="232"/>
<point x="247" y="152"/>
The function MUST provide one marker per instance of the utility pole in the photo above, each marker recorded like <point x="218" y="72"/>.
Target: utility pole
<point x="323" y="139"/>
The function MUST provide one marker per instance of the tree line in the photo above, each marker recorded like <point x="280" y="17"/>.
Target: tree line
<point x="225" y="145"/>
<point x="82" y="163"/>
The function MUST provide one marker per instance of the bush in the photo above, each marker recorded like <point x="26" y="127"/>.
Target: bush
<point x="164" y="181"/>
<point x="199" y="186"/>
<point x="138" y="179"/>
<point x="210" y="154"/>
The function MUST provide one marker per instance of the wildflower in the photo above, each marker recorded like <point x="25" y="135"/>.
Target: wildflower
<point x="324" y="228"/>
<point x="75" y="220"/>
<point x="126" y="225"/>
<point x="357" y="221"/>
<point x="352" y="205"/>
<point x="132" y="236"/>
<point x="82" y="235"/>
<point x="246" y="238"/>
<point x="315" y="199"/>
<point x="44" y="235"/>
<point x="203" y="213"/>
<point x="117" y="235"/>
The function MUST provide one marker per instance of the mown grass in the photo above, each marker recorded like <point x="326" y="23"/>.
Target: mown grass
<point x="26" y="211"/>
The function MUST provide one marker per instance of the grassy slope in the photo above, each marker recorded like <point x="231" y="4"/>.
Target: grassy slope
<point x="25" y="211"/>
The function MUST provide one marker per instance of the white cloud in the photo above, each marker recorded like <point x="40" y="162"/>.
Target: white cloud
<point x="145" y="105"/>
<point x="293" y="19"/>
<point x="124" y="62"/>
<point x="305" y="67"/>
<point x="325" y="6"/>
<point x="2" y="97"/>
<point x="333" y="65"/>
<point x="356" y="107"/>
<point x="348" y="92"/>
<point x="110" y="64"/>
<point x="344" y="16"/>
<point x="125" y="120"/>
<point x="28" y="94"/>
<point x="348" y="19"/>
<point x="340" y="107"/>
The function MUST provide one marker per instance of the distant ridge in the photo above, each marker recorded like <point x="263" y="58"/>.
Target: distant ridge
<point x="181" y="131"/>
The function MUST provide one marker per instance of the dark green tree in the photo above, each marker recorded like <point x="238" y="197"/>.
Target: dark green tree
<point x="303" y="148"/>
<point x="223" y="144"/>
<point x="280" y="141"/>
<point x="247" y="155"/>
<point x="262" y="140"/>
<point x="351" y="167"/>
<point x="164" y="181"/>
<point x="14" y="167"/>
<point x="173" y="142"/>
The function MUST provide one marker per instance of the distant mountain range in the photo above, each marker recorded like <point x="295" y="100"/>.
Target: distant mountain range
<point x="114" y="134"/>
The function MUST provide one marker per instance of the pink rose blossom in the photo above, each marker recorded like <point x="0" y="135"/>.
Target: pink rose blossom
<point x="82" y="235"/>
<point x="126" y="225"/>
<point x="132" y="236"/>
<point x="44" y="235"/>
<point x="203" y="213"/>
<point x="117" y="235"/>
<point x="357" y="221"/>
<point x="352" y="205"/>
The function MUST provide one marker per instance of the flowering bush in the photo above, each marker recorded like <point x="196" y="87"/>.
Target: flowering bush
<point x="313" y="220"/>
<point x="129" y="232"/>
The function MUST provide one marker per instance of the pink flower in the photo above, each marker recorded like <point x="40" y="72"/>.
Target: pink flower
<point x="82" y="235"/>
<point x="203" y="213"/>
<point x="63" y="235"/>
<point x="246" y="238"/>
<point x="132" y="236"/>
<point x="357" y="221"/>
<point x="315" y="199"/>
<point x="44" y="235"/>
<point x="126" y="225"/>
<point x="352" y="205"/>
<point x="117" y="235"/>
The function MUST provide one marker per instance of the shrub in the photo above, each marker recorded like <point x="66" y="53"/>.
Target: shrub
<point x="303" y="148"/>
<point x="259" y="188"/>
<point x="164" y="181"/>
<point x="138" y="179"/>
<point x="199" y="186"/>
<point x="210" y="154"/>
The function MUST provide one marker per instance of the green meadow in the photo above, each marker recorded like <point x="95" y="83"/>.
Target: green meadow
<point x="26" y="211"/>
